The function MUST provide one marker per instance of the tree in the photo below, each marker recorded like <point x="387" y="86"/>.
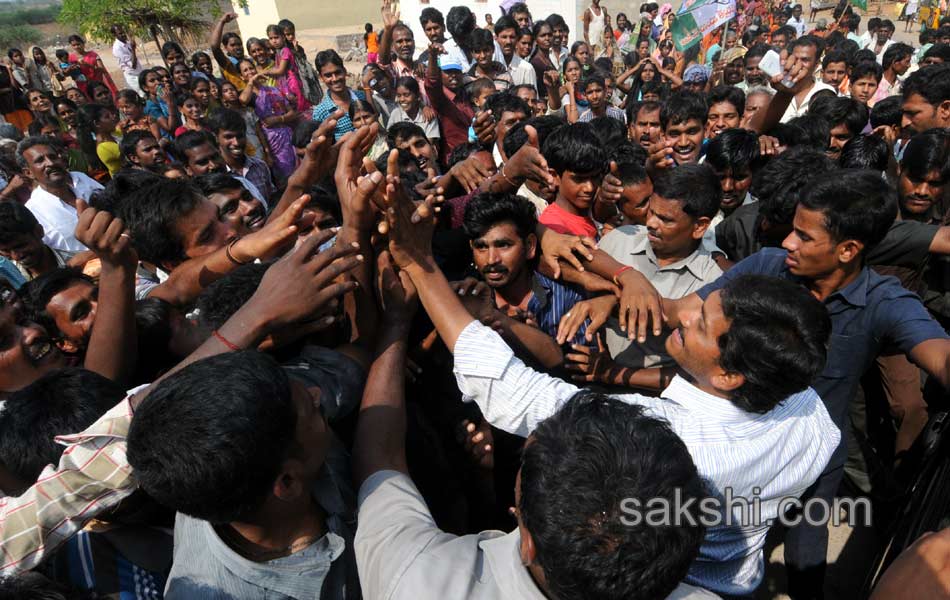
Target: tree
<point x="145" y="19"/>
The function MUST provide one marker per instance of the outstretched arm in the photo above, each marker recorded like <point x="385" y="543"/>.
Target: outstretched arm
<point x="217" y="31"/>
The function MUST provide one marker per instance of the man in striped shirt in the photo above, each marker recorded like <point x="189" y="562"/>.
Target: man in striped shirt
<point x="595" y="88"/>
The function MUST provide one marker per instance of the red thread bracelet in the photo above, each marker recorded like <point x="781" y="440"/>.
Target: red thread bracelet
<point x="225" y="341"/>
<point x="620" y="271"/>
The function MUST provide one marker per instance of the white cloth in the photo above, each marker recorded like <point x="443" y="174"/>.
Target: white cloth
<point x="402" y="554"/>
<point x="521" y="71"/>
<point x="796" y="110"/>
<point x="779" y="453"/>
<point x="456" y="55"/>
<point x="595" y="29"/>
<point x="123" y="53"/>
<point x="880" y="55"/>
<point x="59" y="219"/>
<point x="798" y="24"/>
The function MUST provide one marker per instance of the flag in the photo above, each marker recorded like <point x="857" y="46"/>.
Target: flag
<point x="697" y="18"/>
<point x="862" y="4"/>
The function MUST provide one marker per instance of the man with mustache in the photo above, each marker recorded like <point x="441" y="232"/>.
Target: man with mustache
<point x="230" y="131"/>
<point x="754" y="76"/>
<point x="643" y="122"/>
<point x="236" y="205"/>
<point x="53" y="202"/>
<point x="925" y="172"/>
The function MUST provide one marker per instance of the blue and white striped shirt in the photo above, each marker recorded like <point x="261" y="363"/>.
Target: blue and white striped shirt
<point x="780" y="453"/>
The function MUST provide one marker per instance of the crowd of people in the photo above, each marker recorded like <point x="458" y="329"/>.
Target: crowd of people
<point x="435" y="329"/>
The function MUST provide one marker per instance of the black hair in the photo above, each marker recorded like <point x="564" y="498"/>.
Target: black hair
<point x="192" y="139"/>
<point x="227" y="37"/>
<point x="358" y="104"/>
<point x="931" y="82"/>
<point x="864" y="152"/>
<point x="487" y="210"/>
<point x="841" y="111"/>
<point x="122" y="185"/>
<point x="941" y="51"/>
<point x="886" y="112"/>
<point x="863" y="55"/>
<point x="757" y="51"/>
<point x="87" y="117"/>
<point x="303" y="132"/>
<point x="655" y="87"/>
<point x="518" y="137"/>
<point x="462" y="152"/>
<point x="695" y="186"/>
<point x="787" y="30"/>
<point x="727" y="93"/>
<point x="153" y="326"/>
<point x="481" y="39"/>
<point x="169" y="46"/>
<point x="734" y="150"/>
<point x="211" y="183"/>
<point x="460" y="23"/>
<point x="579" y="470"/>
<point x="196" y="81"/>
<point x="502" y="102"/>
<point x="595" y="78"/>
<point x="926" y="152"/>
<point x="865" y="68"/>
<point x="15" y="220"/>
<point x="202" y="442"/>
<point x="36" y="140"/>
<point x="807" y="40"/>
<point x="42" y="121"/>
<point x="404" y="130"/>
<point x="631" y="160"/>
<point x="574" y="148"/>
<point x="225" y="119"/>
<point x="505" y="22"/>
<point x="410" y="84"/>
<point x="683" y="107"/>
<point x="221" y="299"/>
<point x="897" y="51"/>
<point x="874" y="23"/>
<point x="327" y="57"/>
<point x="431" y="14"/>
<point x="634" y="108"/>
<point x="783" y="179"/>
<point x="810" y="131"/>
<point x="58" y="403"/>
<point x="555" y="21"/>
<point x="151" y="212"/>
<point x="519" y="8"/>
<point x="286" y="24"/>
<point x="776" y="340"/>
<point x="38" y="292"/>
<point x="130" y="142"/>
<point x="856" y="203"/>
<point x="610" y="131"/>
<point x="833" y="56"/>
<point x="887" y="24"/>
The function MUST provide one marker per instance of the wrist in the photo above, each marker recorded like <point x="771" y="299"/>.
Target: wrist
<point x="419" y="269"/>
<point x="248" y="326"/>
<point x="241" y="251"/>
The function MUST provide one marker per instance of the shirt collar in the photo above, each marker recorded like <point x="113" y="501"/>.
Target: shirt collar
<point x="540" y="290"/>
<point x="696" y="400"/>
<point x="691" y="263"/>
<point x="503" y="556"/>
<point x="856" y="292"/>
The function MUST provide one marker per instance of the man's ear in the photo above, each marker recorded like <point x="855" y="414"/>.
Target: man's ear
<point x="289" y="484"/>
<point x="700" y="227"/>
<point x="943" y="112"/>
<point x="527" y="550"/>
<point x="67" y="346"/>
<point x="531" y="246"/>
<point x="726" y="381"/>
<point x="849" y="251"/>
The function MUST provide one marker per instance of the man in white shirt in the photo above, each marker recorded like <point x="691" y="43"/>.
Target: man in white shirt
<point x="53" y="201"/>
<point x="573" y="539"/>
<point x="123" y="49"/>
<point x="506" y="34"/>
<point x="754" y="428"/>
<point x="797" y="21"/>
<point x="805" y="49"/>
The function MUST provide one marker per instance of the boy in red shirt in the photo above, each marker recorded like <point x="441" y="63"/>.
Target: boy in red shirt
<point x="577" y="161"/>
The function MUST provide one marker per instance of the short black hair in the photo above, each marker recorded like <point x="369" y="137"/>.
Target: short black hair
<point x="696" y="186"/>
<point x="578" y="469"/>
<point x="757" y="51"/>
<point x="153" y="327"/>
<point x="404" y="130"/>
<point x="225" y="119"/>
<point x="841" y="111"/>
<point x="190" y="140"/>
<point x="926" y="152"/>
<point x="487" y="210"/>
<point x="610" y="131"/>
<point x="683" y="107"/>
<point x="130" y="142"/>
<point x="887" y="24"/>
<point x="303" y="132"/>
<point x="43" y="120"/>
<point x="886" y="112"/>
<point x="574" y="148"/>
<point x="865" y="68"/>
<point x="121" y="187"/>
<point x="58" y="403"/>
<point x="834" y="56"/>
<point x="941" y="51"/>
<point x="856" y="203"/>
<point x="211" y="183"/>
<point x="327" y="57"/>
<point x="221" y="299"/>
<point x="783" y="179"/>
<point x="16" y="220"/>
<point x="631" y="163"/>
<point x="37" y="293"/>
<point x="37" y="140"/>
<point x="431" y="14"/>
<point x="481" y="39"/>
<point x="727" y="93"/>
<point x="502" y="102"/>
<point x="517" y="137"/>
<point x="505" y="22"/>
<point x="595" y="78"/>
<point x="204" y="444"/>
<point x="931" y="82"/>
<point x="151" y="212"/>
<point x="809" y="130"/>
<point x="735" y="150"/>
<point x="808" y="40"/>
<point x="897" y="51"/>
<point x="864" y="152"/>
<point x="634" y="108"/>
<point x="777" y="339"/>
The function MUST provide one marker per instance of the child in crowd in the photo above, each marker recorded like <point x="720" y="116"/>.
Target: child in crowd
<point x="577" y="159"/>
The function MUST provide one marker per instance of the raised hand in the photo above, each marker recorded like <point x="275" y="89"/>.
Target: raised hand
<point x="528" y="163"/>
<point x="597" y="310"/>
<point x="390" y="18"/>
<point x="589" y="364"/>
<point x="397" y="294"/>
<point x="558" y="246"/>
<point x="470" y="173"/>
<point x="357" y="192"/>
<point x="477" y="441"/>
<point x="484" y="126"/>
<point x="274" y="237"/>
<point x="410" y="224"/>
<point x="106" y="235"/>
<point x="611" y="190"/>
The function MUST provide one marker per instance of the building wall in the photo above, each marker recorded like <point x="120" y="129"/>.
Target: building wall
<point x="306" y="14"/>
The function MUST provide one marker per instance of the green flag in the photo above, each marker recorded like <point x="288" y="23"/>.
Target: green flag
<point x="685" y="31"/>
<point x="862" y="4"/>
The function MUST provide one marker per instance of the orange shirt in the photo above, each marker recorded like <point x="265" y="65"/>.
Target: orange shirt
<point x="372" y="42"/>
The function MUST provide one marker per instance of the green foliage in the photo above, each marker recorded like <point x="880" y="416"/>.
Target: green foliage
<point x="18" y="36"/>
<point x="169" y="18"/>
<point x="30" y="16"/>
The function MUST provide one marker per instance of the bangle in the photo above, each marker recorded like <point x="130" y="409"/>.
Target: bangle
<point x="620" y="271"/>
<point x="505" y="177"/>
<point x="227" y="252"/>
<point x="231" y="346"/>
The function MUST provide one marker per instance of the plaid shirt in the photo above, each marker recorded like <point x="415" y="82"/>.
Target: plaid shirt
<point x="327" y="107"/>
<point x="93" y="476"/>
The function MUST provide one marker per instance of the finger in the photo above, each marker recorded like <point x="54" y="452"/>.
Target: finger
<point x="113" y="230"/>
<point x="614" y="169"/>
<point x="334" y="291"/>
<point x="596" y="322"/>
<point x="392" y="163"/>
<point x="532" y="137"/>
<point x="601" y="344"/>
<point x="656" y="315"/>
